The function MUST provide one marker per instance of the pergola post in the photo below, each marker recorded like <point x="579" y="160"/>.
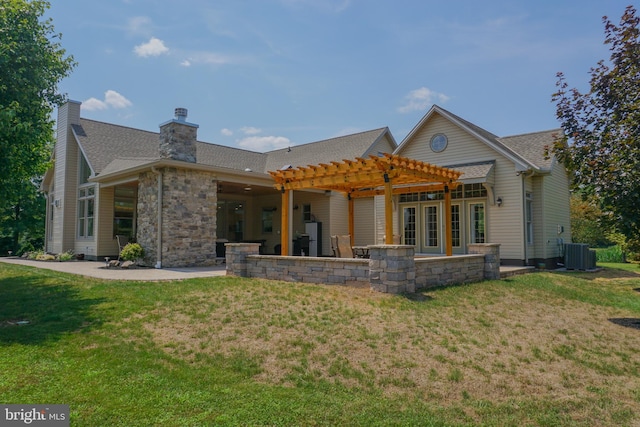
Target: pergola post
<point x="352" y="227"/>
<point x="447" y="220"/>
<point x="284" y="225"/>
<point x="388" y="211"/>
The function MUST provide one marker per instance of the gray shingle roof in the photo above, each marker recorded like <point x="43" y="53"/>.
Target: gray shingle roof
<point x="337" y="149"/>
<point x="532" y="146"/>
<point x="112" y="148"/>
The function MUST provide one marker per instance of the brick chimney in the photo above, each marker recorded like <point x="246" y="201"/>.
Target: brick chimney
<point x="178" y="138"/>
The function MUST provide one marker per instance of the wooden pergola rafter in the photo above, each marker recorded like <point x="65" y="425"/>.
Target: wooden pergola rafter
<point x="388" y="174"/>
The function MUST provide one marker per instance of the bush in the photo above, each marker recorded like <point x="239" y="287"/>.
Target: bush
<point x="65" y="256"/>
<point x="610" y="254"/>
<point x="132" y="252"/>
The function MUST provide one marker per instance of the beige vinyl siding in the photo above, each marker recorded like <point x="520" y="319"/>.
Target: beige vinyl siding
<point x="379" y="218"/>
<point x="555" y="194"/>
<point x="364" y="233"/>
<point x="384" y="145"/>
<point x="505" y="223"/>
<point x="66" y="179"/>
<point x="107" y="245"/>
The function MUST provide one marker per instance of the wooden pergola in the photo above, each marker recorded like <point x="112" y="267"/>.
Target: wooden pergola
<point x="388" y="174"/>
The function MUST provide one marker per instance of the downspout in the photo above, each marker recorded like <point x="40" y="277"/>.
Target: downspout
<point x="159" y="237"/>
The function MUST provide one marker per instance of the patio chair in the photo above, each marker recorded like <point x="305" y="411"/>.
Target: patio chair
<point x="334" y="246"/>
<point x="122" y="242"/>
<point x="344" y="246"/>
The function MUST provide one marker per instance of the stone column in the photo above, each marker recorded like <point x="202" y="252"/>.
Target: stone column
<point x="491" y="252"/>
<point x="392" y="268"/>
<point x="236" y="257"/>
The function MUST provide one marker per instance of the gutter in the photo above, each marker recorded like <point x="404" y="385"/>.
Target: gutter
<point x="159" y="237"/>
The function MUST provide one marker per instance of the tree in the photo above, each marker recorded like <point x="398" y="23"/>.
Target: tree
<point x="32" y="63"/>
<point x="22" y="220"/>
<point x="585" y="222"/>
<point x="601" y="142"/>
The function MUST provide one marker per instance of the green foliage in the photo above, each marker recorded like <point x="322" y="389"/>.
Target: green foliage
<point x="586" y="222"/>
<point x="132" y="252"/>
<point x="601" y="142"/>
<point x="610" y="254"/>
<point x="22" y="219"/>
<point x="66" y="256"/>
<point x="32" y="63"/>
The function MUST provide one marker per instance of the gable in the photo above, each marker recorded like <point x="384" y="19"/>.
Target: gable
<point x="462" y="146"/>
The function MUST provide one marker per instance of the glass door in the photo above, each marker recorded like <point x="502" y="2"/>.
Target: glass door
<point x="432" y="242"/>
<point x="409" y="225"/>
<point x="476" y="223"/>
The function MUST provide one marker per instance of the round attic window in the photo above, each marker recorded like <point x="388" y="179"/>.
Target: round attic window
<point x="439" y="142"/>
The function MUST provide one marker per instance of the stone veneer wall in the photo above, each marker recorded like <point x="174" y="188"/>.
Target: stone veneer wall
<point x="333" y="271"/>
<point x="491" y="252"/>
<point x="147" y="216"/>
<point x="441" y="271"/>
<point x="391" y="268"/>
<point x="188" y="217"/>
<point x="178" y="141"/>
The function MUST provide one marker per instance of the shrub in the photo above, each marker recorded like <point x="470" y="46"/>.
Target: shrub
<point x="132" y="252"/>
<point x="610" y="254"/>
<point x="65" y="256"/>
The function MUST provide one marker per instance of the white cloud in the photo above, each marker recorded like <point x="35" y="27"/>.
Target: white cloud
<point x="139" y="25"/>
<point x="115" y="100"/>
<point x="250" y="130"/>
<point x="226" y="132"/>
<point x="420" y="99"/>
<point x="154" y="47"/>
<point x="112" y="99"/>
<point x="186" y="63"/>
<point x="93" y="104"/>
<point x="264" y="143"/>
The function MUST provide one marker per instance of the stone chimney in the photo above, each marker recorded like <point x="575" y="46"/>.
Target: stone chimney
<point x="178" y="138"/>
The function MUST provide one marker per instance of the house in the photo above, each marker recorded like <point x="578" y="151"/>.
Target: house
<point x="179" y="197"/>
<point x="182" y="199"/>
<point x="512" y="193"/>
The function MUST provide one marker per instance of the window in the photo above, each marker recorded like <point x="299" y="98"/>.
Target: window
<point x="409" y="225"/>
<point x="455" y="226"/>
<point x="431" y="226"/>
<point x="306" y="213"/>
<point x="86" y="205"/>
<point x="85" y="171"/>
<point x="477" y="223"/>
<point x="52" y="205"/>
<point x="529" y="212"/>
<point x="267" y="220"/>
<point x="124" y="211"/>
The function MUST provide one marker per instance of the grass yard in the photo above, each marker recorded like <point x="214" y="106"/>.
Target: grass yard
<point x="544" y="349"/>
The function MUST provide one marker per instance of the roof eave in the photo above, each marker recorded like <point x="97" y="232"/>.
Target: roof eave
<point x="161" y="163"/>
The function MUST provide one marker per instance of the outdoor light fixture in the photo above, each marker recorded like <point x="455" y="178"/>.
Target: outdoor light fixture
<point x="499" y="201"/>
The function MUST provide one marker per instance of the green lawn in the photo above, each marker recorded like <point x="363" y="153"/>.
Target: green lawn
<point x="543" y="349"/>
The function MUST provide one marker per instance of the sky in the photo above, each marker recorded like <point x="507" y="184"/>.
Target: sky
<point x="267" y="74"/>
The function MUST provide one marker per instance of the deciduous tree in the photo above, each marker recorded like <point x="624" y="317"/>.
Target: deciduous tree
<point x="32" y="63"/>
<point x="601" y="144"/>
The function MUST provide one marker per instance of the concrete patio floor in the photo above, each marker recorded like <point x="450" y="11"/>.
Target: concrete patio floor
<point x="98" y="270"/>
